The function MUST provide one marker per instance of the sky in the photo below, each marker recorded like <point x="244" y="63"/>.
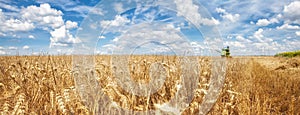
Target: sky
<point x="251" y="27"/>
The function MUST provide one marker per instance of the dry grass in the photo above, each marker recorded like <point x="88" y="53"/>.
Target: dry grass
<point x="45" y="85"/>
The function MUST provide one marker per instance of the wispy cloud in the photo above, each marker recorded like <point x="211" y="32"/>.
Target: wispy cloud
<point x="71" y="6"/>
<point x="9" y="7"/>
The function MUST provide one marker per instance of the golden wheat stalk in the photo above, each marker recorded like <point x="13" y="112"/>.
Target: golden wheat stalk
<point x="19" y="108"/>
<point x="5" y="108"/>
<point x="61" y="104"/>
<point x="52" y="101"/>
<point x="67" y="95"/>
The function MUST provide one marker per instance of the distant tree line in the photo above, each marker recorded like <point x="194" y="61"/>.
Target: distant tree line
<point x="288" y="54"/>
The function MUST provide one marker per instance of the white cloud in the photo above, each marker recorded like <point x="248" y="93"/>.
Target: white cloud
<point x="118" y="21"/>
<point x="62" y="37"/>
<point x="228" y="16"/>
<point x="17" y="25"/>
<point x="2" y="34"/>
<point x="13" y="25"/>
<point x="1" y="48"/>
<point x="259" y="35"/>
<point x="61" y="3"/>
<point x="195" y="44"/>
<point x="59" y="33"/>
<point x="118" y="7"/>
<point x="291" y="12"/>
<point x="262" y="45"/>
<point x="12" y="48"/>
<point x="266" y="22"/>
<point x="199" y="48"/>
<point x="242" y="39"/>
<point x="50" y="19"/>
<point x="235" y="44"/>
<point x="162" y="34"/>
<point x="73" y="6"/>
<point x="263" y="22"/>
<point x="31" y="17"/>
<point x="220" y="10"/>
<point x="116" y="25"/>
<point x="26" y="47"/>
<point x="232" y="18"/>
<point x="71" y="25"/>
<point x="57" y="44"/>
<point x="31" y="37"/>
<point x="9" y="7"/>
<point x="189" y="10"/>
<point x="43" y="16"/>
<point x="102" y="37"/>
<point x="298" y="33"/>
<point x="65" y="51"/>
<point x="2" y="17"/>
<point x="97" y="11"/>
<point x="287" y="26"/>
<point x="83" y="10"/>
<point x="106" y="49"/>
<point x="2" y="52"/>
<point x="35" y="53"/>
<point x="25" y="19"/>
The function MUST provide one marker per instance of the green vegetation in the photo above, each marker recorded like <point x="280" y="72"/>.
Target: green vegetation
<point x="288" y="54"/>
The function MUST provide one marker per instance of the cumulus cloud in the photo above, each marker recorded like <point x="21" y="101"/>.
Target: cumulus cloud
<point x="71" y="25"/>
<point x="40" y="17"/>
<point x="266" y="22"/>
<point x="52" y="18"/>
<point x="26" y="47"/>
<point x="62" y="37"/>
<point x="259" y="35"/>
<point x="189" y="10"/>
<point x="13" y="25"/>
<point x="32" y="17"/>
<point x="291" y="12"/>
<point x="228" y="16"/>
<point x="43" y="15"/>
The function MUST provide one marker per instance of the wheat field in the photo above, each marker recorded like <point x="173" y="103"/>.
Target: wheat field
<point x="31" y="85"/>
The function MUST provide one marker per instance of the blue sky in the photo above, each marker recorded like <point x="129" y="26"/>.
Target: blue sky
<point x="256" y="27"/>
